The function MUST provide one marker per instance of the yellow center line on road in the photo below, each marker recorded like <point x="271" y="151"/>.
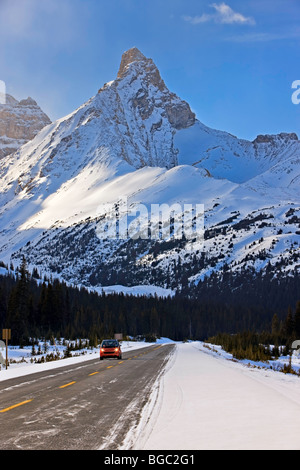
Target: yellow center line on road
<point x="15" y="406"/>
<point x="67" y="385"/>
<point x="93" y="373"/>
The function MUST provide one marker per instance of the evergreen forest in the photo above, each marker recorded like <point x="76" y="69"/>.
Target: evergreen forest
<point x="43" y="308"/>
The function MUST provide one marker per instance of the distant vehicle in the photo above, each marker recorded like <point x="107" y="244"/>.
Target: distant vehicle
<point x="110" y="348"/>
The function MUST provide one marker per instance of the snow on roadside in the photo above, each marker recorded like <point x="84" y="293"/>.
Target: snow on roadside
<point x="272" y="364"/>
<point x="206" y="400"/>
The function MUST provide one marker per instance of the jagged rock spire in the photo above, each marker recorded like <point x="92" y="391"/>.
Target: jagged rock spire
<point x="132" y="55"/>
<point x="177" y="111"/>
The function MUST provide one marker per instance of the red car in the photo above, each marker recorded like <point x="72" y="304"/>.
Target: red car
<point x="110" y="348"/>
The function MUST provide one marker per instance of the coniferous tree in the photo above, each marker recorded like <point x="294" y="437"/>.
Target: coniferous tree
<point x="3" y="308"/>
<point x="297" y="320"/>
<point x="289" y="323"/>
<point x="18" y="306"/>
<point x="275" y="325"/>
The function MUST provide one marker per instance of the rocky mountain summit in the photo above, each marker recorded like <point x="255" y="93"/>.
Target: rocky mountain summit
<point x="20" y="121"/>
<point x="177" y="111"/>
<point x="143" y="113"/>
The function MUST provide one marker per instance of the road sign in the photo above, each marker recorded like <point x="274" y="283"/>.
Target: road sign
<point x="6" y="335"/>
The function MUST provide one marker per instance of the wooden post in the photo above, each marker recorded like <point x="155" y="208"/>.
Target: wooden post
<point x="6" y="335"/>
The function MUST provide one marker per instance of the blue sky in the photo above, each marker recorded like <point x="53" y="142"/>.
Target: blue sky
<point x="233" y="61"/>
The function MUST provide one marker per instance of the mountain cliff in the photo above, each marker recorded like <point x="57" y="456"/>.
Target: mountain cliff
<point x="20" y="121"/>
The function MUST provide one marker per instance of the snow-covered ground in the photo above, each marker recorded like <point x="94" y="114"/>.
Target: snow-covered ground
<point x="142" y="290"/>
<point x="207" y="401"/>
<point x="203" y="400"/>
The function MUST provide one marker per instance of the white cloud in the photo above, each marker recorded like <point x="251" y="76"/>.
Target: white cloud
<point x="197" y="19"/>
<point x="223" y="14"/>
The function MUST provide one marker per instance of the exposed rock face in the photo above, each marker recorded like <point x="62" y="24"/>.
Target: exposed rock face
<point x="266" y="138"/>
<point x="20" y="121"/>
<point x="128" y="57"/>
<point x="139" y="109"/>
<point x="178" y="112"/>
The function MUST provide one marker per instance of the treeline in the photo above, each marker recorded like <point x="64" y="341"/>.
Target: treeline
<point x="35" y="308"/>
<point x="265" y="345"/>
<point x="255" y="289"/>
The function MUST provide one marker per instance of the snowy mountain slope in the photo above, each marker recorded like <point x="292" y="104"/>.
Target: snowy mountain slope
<point x="226" y="156"/>
<point x="254" y="233"/>
<point x="136" y="139"/>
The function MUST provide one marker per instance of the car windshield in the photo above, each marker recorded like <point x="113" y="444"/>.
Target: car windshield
<point x="110" y="344"/>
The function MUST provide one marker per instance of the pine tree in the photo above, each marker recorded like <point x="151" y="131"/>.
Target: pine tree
<point x="275" y="325"/>
<point x="289" y="323"/>
<point x="18" y="306"/>
<point x="297" y="320"/>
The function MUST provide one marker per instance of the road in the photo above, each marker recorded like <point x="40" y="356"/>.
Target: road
<point x="80" y="407"/>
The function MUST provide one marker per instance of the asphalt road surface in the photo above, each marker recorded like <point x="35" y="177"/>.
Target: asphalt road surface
<point x="79" y="407"/>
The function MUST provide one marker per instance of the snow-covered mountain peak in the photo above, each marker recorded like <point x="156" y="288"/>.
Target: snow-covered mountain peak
<point x="137" y="139"/>
<point x="135" y="64"/>
<point x="141" y="76"/>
